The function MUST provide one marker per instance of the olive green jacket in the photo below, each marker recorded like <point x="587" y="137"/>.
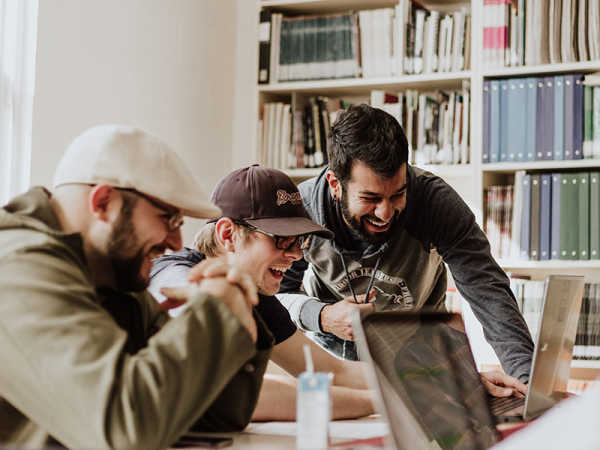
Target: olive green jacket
<point x="66" y="374"/>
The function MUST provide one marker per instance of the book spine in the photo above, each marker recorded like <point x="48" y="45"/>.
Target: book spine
<point x="545" y="215"/>
<point x="534" y="224"/>
<point x="555" y="230"/>
<point x="264" y="46"/>
<point x="525" y="217"/>
<point x="559" y="109"/>
<point x="584" y="215"/>
<point x="595" y="215"/>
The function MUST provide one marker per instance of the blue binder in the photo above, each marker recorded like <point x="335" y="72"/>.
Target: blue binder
<point x="548" y="122"/>
<point x="485" y="151"/>
<point x="559" y="108"/>
<point x="530" y="129"/>
<point x="504" y="128"/>
<point x="495" y="125"/>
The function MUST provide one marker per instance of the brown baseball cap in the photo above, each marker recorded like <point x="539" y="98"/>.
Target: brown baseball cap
<point x="266" y="199"/>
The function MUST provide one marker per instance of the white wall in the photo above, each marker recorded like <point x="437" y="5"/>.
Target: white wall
<point x="167" y="66"/>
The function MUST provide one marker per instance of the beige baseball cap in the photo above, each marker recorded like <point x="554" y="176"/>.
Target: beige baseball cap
<point x="130" y="158"/>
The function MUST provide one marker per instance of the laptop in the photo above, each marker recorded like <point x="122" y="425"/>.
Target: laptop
<point x="551" y="365"/>
<point x="428" y="387"/>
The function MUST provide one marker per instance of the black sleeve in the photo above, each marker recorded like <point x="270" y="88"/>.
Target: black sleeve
<point x="276" y="317"/>
<point x="292" y="279"/>
<point x="450" y="227"/>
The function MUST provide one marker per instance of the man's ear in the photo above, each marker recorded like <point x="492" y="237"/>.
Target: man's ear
<point x="104" y="202"/>
<point x="225" y="233"/>
<point x="335" y="187"/>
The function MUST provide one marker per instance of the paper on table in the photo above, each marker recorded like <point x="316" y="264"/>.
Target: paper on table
<point x="347" y="429"/>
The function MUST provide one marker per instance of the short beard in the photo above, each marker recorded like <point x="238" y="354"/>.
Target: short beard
<point x="358" y="225"/>
<point x="123" y="239"/>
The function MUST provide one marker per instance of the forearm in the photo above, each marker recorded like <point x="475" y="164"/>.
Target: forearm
<point x="277" y="400"/>
<point x="350" y="374"/>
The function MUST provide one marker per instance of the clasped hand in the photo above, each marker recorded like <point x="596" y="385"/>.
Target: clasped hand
<point x="227" y="282"/>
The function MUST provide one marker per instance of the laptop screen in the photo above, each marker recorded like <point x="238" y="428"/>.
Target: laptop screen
<point x="425" y="372"/>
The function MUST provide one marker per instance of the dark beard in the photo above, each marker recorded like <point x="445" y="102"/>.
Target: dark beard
<point x="126" y="269"/>
<point x="358" y="226"/>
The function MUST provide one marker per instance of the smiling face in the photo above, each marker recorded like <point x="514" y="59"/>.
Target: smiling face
<point x="139" y="235"/>
<point x="266" y="263"/>
<point x="370" y="203"/>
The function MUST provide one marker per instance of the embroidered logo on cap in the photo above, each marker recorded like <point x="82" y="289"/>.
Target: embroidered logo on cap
<point x="283" y="197"/>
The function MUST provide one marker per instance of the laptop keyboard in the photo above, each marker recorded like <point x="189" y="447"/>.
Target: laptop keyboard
<point x="500" y="405"/>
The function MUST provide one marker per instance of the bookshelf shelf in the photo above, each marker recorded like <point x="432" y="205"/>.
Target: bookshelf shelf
<point x="590" y="364"/>
<point x="324" y="6"/>
<point x="540" y="165"/>
<point x="365" y="85"/>
<point x="549" y="264"/>
<point x="449" y="171"/>
<point x="303" y="174"/>
<point x="585" y="66"/>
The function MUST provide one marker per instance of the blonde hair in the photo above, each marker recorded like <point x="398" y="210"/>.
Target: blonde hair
<point x="206" y="241"/>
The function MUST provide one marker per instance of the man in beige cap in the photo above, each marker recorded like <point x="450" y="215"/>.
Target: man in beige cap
<point x="88" y="359"/>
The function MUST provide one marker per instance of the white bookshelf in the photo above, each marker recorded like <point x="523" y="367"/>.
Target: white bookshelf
<point x="468" y="179"/>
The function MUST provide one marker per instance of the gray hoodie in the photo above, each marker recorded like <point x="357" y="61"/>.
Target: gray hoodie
<point x="435" y="230"/>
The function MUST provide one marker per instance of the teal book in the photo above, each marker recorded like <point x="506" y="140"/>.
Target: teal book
<point x="571" y="212"/>
<point x="594" y="215"/>
<point x="588" y="121"/>
<point x="584" y="215"/>
<point x="555" y="212"/>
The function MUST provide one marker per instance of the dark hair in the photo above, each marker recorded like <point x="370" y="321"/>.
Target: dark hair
<point x="370" y="135"/>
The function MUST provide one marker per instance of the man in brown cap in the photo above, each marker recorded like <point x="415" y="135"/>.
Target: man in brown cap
<point x="264" y="228"/>
<point x="89" y="360"/>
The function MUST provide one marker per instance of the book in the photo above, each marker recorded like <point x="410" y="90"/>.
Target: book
<point x="545" y="215"/>
<point x="558" y="138"/>
<point x="555" y="230"/>
<point x="568" y="123"/>
<point x="517" y="207"/>
<point x="534" y="221"/>
<point x="525" y="218"/>
<point x="584" y="215"/>
<point x="485" y="151"/>
<point x="495" y="121"/>
<point x="578" y="117"/>
<point x="264" y="46"/>
<point x="594" y="215"/>
<point x="548" y="118"/>
<point x="531" y="123"/>
<point x="503" y="126"/>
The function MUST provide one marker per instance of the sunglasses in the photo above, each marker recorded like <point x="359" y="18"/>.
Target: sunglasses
<point x="302" y="241"/>
<point x="173" y="219"/>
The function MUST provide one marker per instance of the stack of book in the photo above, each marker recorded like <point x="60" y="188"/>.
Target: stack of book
<point x="531" y="32"/>
<point x="554" y="216"/>
<point x="375" y="43"/>
<point x="497" y="223"/>
<point x="298" y="138"/>
<point x="529" y="296"/>
<point x="541" y="118"/>
<point x="436" y="123"/>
